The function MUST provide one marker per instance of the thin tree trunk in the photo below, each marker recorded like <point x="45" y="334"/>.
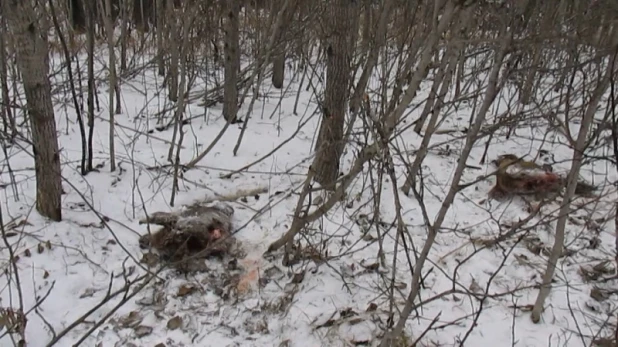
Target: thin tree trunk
<point x="174" y="47"/>
<point x="160" y="32"/>
<point x="578" y="155"/>
<point x="124" y="34"/>
<point x="433" y="121"/>
<point x="530" y="77"/>
<point x="77" y="17"/>
<point x="368" y="24"/>
<point x="31" y="46"/>
<point x="76" y="104"/>
<point x="258" y="72"/>
<point x="189" y="18"/>
<point x="279" y="56"/>
<point x="279" y="68"/>
<point x="232" y="60"/>
<point x="461" y="69"/>
<point x="109" y="27"/>
<point x="5" y="109"/>
<point x="374" y="46"/>
<point x="90" y="37"/>
<point x="490" y="94"/>
<point x="141" y="14"/>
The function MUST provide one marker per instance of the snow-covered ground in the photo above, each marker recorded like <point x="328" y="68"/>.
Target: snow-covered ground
<point x="66" y="269"/>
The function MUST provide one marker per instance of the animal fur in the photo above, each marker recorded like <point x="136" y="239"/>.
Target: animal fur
<point x="200" y="229"/>
<point x="518" y="177"/>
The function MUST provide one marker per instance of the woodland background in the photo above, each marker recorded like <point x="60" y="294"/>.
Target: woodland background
<point x="354" y="140"/>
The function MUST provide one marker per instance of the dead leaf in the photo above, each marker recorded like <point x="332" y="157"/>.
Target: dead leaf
<point x="368" y="237"/>
<point x="575" y="221"/>
<point x="21" y="223"/>
<point x="523" y="308"/>
<point x="45" y="274"/>
<point x="355" y="321"/>
<point x="150" y="259"/>
<point x="89" y="292"/>
<point x="132" y="320"/>
<point x="27" y="253"/>
<point x="143" y="330"/>
<point x="40" y="248"/>
<point x="174" y="323"/>
<point x="328" y="323"/>
<point x="347" y="312"/>
<point x="273" y="272"/>
<point x="298" y="277"/>
<point x="522" y="259"/>
<point x="604" y="342"/>
<point x="599" y="294"/>
<point x="48" y="244"/>
<point x="186" y="289"/>
<point x="372" y="267"/>
<point x="372" y="307"/>
<point x="475" y="287"/>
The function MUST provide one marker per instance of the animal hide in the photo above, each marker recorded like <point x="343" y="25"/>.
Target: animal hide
<point x="199" y="231"/>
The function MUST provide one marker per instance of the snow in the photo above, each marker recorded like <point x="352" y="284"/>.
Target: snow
<point x="73" y="276"/>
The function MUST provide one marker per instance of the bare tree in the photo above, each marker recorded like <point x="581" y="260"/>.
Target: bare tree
<point x="279" y="54"/>
<point x="173" y="44"/>
<point x="6" y="113"/>
<point x="578" y="154"/>
<point x="76" y="103"/>
<point x="90" y="33"/>
<point x="492" y="90"/>
<point x="375" y="43"/>
<point x="109" y="29"/>
<point x="143" y="11"/>
<point x="232" y="59"/>
<point x="340" y="26"/>
<point x="77" y="15"/>
<point x="28" y="26"/>
<point x="124" y="35"/>
<point x="161" y="29"/>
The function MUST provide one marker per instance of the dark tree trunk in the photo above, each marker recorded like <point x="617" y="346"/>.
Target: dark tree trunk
<point x="143" y="14"/>
<point x="5" y="109"/>
<point x="278" y="70"/>
<point x="173" y="44"/>
<point x="329" y="147"/>
<point x="232" y="60"/>
<point x="281" y="45"/>
<point x="31" y="47"/>
<point x="77" y="15"/>
<point x="90" y="38"/>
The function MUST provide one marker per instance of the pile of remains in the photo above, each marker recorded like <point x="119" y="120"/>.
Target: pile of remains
<point x="515" y="176"/>
<point x="199" y="231"/>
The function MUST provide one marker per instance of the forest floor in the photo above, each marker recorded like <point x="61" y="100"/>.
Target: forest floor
<point x="478" y="294"/>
